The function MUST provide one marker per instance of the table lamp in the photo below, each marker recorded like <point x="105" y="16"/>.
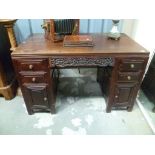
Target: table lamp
<point x="114" y="32"/>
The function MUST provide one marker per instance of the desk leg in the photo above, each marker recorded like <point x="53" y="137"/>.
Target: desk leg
<point x="53" y="89"/>
<point x="129" y="109"/>
<point x="53" y="97"/>
<point x="106" y="80"/>
<point x="108" y="109"/>
<point x="53" y="110"/>
<point x="97" y="77"/>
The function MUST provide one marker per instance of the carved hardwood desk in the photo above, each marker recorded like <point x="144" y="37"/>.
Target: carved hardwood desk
<point x="121" y="65"/>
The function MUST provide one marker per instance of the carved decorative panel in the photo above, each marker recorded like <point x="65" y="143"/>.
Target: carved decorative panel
<point x="72" y="61"/>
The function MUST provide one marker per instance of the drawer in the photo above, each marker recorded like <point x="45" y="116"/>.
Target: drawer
<point x="131" y="65"/>
<point x="34" y="78"/>
<point x="32" y="64"/>
<point x="129" y="77"/>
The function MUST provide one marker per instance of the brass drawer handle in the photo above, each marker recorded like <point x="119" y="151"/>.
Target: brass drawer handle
<point x="30" y="66"/>
<point x="116" y="96"/>
<point x="33" y="79"/>
<point x="129" y="77"/>
<point x="132" y="66"/>
<point x="45" y="98"/>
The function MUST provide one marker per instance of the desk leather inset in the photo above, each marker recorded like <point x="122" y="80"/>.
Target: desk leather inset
<point x="121" y="65"/>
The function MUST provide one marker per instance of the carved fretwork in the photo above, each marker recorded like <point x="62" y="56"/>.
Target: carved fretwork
<point x="75" y="61"/>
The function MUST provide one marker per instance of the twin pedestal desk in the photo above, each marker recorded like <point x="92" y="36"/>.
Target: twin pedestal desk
<point x="120" y="68"/>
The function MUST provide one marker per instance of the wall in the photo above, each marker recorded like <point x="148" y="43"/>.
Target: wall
<point x="142" y="31"/>
<point x="128" y="27"/>
<point x="26" y="27"/>
<point x="22" y="30"/>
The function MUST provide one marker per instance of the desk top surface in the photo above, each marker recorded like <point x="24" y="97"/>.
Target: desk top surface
<point x="37" y="44"/>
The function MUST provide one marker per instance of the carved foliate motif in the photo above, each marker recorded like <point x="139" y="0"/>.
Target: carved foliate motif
<point x="71" y="61"/>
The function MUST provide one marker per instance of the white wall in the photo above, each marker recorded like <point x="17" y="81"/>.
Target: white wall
<point x="128" y="27"/>
<point x="142" y="31"/>
<point x="145" y="33"/>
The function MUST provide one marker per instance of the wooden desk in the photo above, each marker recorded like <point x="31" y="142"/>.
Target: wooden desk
<point x="121" y="65"/>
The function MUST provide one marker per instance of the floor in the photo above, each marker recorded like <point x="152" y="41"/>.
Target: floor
<point x="80" y="111"/>
<point x="147" y="105"/>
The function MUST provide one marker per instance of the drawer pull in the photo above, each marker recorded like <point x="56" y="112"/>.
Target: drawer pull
<point x="132" y="66"/>
<point x="129" y="77"/>
<point x="33" y="79"/>
<point x="45" y="98"/>
<point x="30" y="66"/>
<point x="116" y="96"/>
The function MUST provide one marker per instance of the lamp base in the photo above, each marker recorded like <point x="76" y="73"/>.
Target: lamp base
<point x="114" y="36"/>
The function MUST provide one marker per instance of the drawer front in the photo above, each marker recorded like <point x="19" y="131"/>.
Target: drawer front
<point x="131" y="65"/>
<point x="129" y="77"/>
<point x="33" y="78"/>
<point x="32" y="64"/>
